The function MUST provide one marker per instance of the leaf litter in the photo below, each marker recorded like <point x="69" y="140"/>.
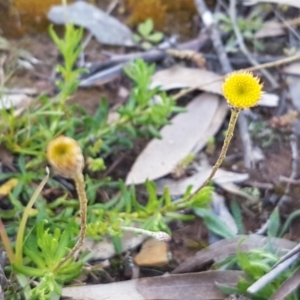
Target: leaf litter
<point x="212" y="85"/>
<point x="197" y="286"/>
<point x="187" y="133"/>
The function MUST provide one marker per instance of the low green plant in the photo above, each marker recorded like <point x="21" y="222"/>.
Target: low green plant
<point x="146" y="36"/>
<point x="41" y="253"/>
<point x="45" y="251"/>
<point x="248" y="27"/>
<point x="154" y="215"/>
<point x="263" y="133"/>
<point x="255" y="264"/>
<point x="41" y="260"/>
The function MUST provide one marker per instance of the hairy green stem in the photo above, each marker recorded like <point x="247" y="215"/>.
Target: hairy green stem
<point x="228" y="137"/>
<point x="80" y="187"/>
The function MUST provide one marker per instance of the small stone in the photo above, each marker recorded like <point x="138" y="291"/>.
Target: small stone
<point x="154" y="253"/>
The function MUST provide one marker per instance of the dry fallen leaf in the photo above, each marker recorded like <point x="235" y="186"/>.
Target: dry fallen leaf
<point x="178" y="140"/>
<point x="6" y="187"/>
<point x="105" y="249"/>
<point x="292" y="69"/>
<point x="226" y="247"/>
<point x="7" y="158"/>
<point x="180" y="77"/>
<point x="293" y="83"/>
<point x="289" y="286"/>
<point x="105" y="28"/>
<point x="197" y="286"/>
<point x="222" y="212"/>
<point x="178" y="187"/>
<point x="17" y="101"/>
<point x="270" y="29"/>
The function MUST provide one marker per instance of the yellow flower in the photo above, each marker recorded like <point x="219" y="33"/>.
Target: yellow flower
<point x="65" y="155"/>
<point x="242" y="89"/>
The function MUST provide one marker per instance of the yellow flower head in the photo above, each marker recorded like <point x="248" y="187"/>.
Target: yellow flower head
<point x="242" y="89"/>
<point x="65" y="155"/>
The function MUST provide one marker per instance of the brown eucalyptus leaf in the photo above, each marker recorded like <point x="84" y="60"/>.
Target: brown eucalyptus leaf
<point x="196" y="286"/>
<point x="105" y="248"/>
<point x="177" y="187"/>
<point x="180" y="77"/>
<point x="289" y="286"/>
<point x="226" y="247"/>
<point x="105" y="28"/>
<point x="292" y="69"/>
<point x="17" y="101"/>
<point x="188" y="131"/>
<point x="270" y="29"/>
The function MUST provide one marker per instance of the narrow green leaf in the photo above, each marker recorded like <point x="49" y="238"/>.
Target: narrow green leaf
<point x="213" y="223"/>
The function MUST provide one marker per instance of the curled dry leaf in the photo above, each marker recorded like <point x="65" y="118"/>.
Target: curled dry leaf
<point x="197" y="286"/>
<point x="188" y="133"/>
<point x="180" y="77"/>
<point x="224" y="248"/>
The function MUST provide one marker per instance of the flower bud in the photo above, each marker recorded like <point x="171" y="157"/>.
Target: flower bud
<point x="65" y="155"/>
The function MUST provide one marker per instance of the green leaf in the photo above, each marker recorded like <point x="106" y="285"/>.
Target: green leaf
<point x="146" y="28"/>
<point x="237" y="215"/>
<point x="29" y="271"/>
<point x="288" y="222"/>
<point x="155" y="37"/>
<point x="137" y="38"/>
<point x="213" y="223"/>
<point x="146" y="45"/>
<point x="274" y="223"/>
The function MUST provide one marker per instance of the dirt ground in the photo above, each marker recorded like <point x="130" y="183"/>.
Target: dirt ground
<point x="188" y="238"/>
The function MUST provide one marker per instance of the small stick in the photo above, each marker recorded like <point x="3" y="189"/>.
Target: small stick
<point x="242" y="45"/>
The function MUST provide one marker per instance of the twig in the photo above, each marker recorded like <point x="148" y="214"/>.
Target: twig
<point x="272" y="64"/>
<point x="103" y="72"/>
<point x="276" y="271"/>
<point x="227" y="68"/>
<point x="294" y="149"/>
<point x="288" y="24"/>
<point x="289" y="180"/>
<point x="243" y="48"/>
<point x="246" y="141"/>
<point x="275" y="63"/>
<point x="112" y="6"/>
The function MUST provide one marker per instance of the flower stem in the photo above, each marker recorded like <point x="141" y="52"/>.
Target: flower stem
<point x="233" y="118"/>
<point x="80" y="187"/>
